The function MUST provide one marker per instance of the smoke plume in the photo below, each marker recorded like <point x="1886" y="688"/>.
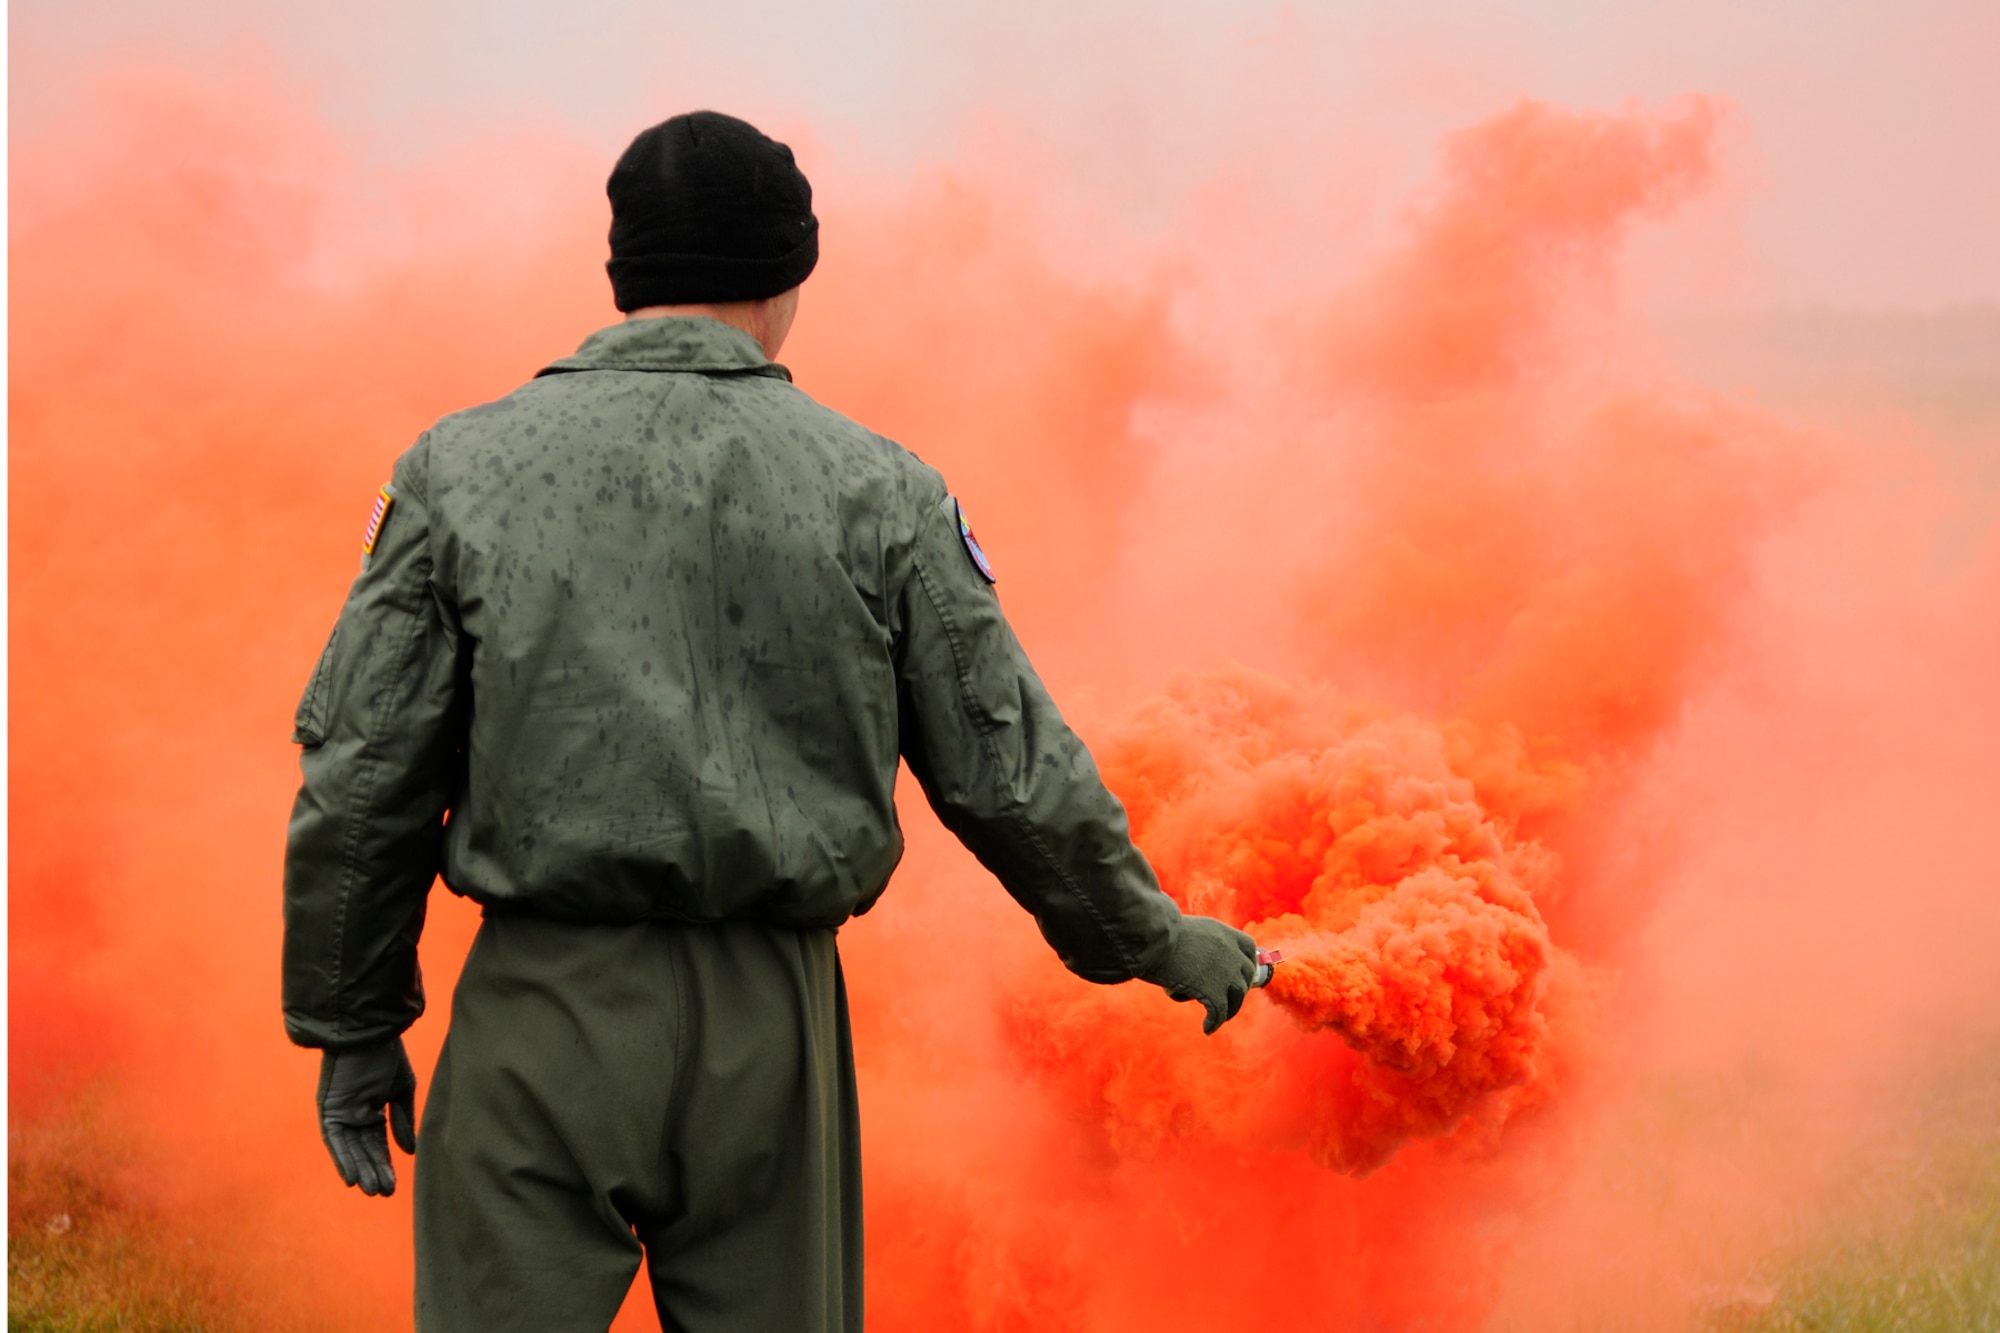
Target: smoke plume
<point x="1409" y="602"/>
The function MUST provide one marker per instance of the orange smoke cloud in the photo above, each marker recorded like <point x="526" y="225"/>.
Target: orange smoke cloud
<point x="1561" y="590"/>
<point x="1473" y="553"/>
<point x="1406" y="911"/>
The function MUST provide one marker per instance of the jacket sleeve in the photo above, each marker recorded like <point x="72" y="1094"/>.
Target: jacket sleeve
<point x="381" y="726"/>
<point x="1009" y="778"/>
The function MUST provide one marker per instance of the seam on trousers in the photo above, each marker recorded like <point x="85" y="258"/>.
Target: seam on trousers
<point x="667" y="1190"/>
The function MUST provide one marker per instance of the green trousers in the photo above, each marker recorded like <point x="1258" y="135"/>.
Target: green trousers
<point x="685" y="1089"/>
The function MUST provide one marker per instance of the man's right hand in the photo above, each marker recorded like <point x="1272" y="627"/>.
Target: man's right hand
<point x="1211" y="962"/>
<point x="354" y="1086"/>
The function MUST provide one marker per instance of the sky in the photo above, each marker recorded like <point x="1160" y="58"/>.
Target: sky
<point x="1863" y="170"/>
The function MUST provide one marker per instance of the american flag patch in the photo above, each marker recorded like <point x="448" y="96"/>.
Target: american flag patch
<point x="972" y="546"/>
<point x="383" y="499"/>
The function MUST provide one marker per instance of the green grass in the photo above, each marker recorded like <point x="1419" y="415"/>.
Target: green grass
<point x="85" y="1255"/>
<point x="1948" y="1282"/>
<point x="1909" y="1241"/>
<point x="1912" y="1241"/>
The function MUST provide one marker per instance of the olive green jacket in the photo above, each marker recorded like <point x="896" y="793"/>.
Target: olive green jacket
<point x="645" y="639"/>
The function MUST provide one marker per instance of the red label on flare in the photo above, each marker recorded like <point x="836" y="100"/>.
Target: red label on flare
<point x="1270" y="957"/>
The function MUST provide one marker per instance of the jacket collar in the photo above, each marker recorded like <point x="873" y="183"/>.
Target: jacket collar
<point x="692" y="343"/>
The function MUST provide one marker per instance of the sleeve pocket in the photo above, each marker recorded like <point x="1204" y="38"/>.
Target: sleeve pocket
<point x="309" y="723"/>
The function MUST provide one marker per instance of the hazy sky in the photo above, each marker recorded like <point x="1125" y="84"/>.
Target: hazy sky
<point x="1867" y="168"/>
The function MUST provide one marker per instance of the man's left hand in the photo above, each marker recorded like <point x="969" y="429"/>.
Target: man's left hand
<point x="1213" y="962"/>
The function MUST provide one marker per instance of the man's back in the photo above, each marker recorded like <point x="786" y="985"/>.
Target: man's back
<point x="678" y="577"/>
<point x="655" y="639"/>
<point x="631" y="659"/>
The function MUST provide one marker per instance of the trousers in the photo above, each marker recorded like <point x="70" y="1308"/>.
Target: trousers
<point x="685" y="1092"/>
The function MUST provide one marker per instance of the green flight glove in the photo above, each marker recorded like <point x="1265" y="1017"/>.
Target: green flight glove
<point x="1211" y="962"/>
<point x="354" y="1085"/>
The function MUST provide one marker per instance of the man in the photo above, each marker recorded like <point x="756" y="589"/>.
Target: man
<point x="631" y="660"/>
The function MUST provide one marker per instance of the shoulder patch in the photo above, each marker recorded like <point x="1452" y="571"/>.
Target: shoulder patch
<point x="972" y="547"/>
<point x="383" y="499"/>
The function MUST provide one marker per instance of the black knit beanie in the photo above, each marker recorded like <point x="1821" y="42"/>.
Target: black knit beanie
<point x="705" y="208"/>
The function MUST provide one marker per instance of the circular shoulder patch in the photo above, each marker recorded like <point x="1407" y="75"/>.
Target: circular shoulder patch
<point x="979" y="560"/>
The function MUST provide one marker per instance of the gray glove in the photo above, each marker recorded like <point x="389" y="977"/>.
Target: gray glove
<point x="354" y="1084"/>
<point x="1213" y="963"/>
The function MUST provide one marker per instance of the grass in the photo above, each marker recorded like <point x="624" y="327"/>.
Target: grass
<point x="1909" y="1241"/>
<point x="1946" y="1281"/>
<point x="1912" y="1242"/>
<point x="87" y="1256"/>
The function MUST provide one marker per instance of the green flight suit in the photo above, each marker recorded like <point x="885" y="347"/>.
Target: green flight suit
<point x="631" y="664"/>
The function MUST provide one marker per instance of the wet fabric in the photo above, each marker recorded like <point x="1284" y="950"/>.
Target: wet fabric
<point x="685" y="1089"/>
<point x="655" y="629"/>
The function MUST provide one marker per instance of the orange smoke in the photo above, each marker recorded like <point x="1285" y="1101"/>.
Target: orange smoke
<point x="1379" y="611"/>
<point x="1406" y="911"/>
<point x="1546" y="546"/>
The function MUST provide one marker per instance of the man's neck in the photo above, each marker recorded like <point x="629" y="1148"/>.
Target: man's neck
<point x="763" y="320"/>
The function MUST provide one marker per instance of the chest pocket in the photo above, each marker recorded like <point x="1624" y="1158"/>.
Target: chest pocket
<point x="309" y="723"/>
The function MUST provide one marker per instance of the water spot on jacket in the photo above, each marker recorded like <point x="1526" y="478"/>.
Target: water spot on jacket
<point x="735" y="614"/>
<point x="645" y="668"/>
